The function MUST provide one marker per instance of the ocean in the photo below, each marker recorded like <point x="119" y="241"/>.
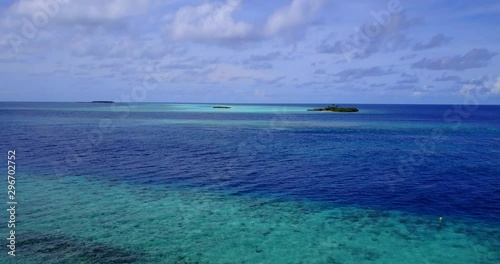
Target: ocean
<point x="187" y="183"/>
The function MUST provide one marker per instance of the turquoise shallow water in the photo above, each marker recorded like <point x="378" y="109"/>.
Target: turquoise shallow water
<point x="162" y="107"/>
<point x="72" y="219"/>
<point x="152" y="108"/>
<point x="186" y="183"/>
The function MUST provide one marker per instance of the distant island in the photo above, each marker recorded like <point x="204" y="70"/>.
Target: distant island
<point x="102" y="102"/>
<point x="335" y="108"/>
<point x="222" y="107"/>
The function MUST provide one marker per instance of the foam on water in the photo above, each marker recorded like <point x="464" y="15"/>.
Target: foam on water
<point x="90" y="219"/>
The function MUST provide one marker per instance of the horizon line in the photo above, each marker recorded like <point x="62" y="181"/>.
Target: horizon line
<point x="243" y="103"/>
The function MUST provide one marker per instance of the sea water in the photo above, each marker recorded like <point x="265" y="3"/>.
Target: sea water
<point x="187" y="183"/>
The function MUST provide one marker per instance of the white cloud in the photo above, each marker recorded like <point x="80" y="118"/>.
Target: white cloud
<point x="417" y="93"/>
<point x="36" y="25"/>
<point x="292" y="16"/>
<point x="422" y="91"/>
<point x="467" y="89"/>
<point x="496" y="87"/>
<point x="82" y="11"/>
<point x="224" y="72"/>
<point x="209" y="21"/>
<point x="214" y="21"/>
<point x="484" y="85"/>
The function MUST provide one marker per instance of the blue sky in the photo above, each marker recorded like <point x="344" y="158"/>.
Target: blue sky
<point x="261" y="51"/>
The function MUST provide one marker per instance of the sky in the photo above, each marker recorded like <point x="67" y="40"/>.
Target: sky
<point x="259" y="51"/>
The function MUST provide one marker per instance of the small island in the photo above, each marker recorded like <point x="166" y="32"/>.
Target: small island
<point x="335" y="108"/>
<point x="222" y="107"/>
<point x="102" y="102"/>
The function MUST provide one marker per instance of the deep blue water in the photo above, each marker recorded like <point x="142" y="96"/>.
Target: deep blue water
<point x="428" y="159"/>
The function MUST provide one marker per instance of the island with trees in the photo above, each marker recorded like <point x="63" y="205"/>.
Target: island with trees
<point x="335" y="108"/>
<point x="102" y="102"/>
<point x="222" y="107"/>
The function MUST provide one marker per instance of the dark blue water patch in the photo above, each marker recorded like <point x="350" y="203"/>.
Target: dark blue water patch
<point x="389" y="167"/>
<point x="45" y="248"/>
